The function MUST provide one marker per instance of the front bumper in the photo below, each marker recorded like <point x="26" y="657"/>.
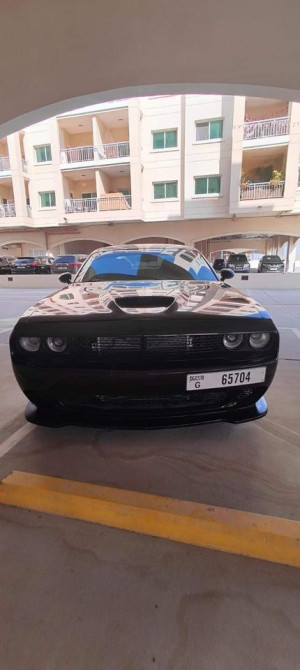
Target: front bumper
<point x="136" y="398"/>
<point x="54" y="418"/>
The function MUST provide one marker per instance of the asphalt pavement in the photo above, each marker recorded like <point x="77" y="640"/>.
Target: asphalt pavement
<point x="80" y="596"/>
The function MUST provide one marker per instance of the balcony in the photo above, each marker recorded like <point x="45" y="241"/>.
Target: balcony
<point x="7" y="210"/>
<point x="4" y="164"/>
<point x="262" y="190"/>
<point x="92" y="154"/>
<point x="24" y="165"/>
<point x="256" y="130"/>
<point x="105" y="203"/>
<point x="29" y="210"/>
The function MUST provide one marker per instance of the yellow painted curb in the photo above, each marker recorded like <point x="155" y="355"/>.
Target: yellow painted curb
<point x="255" y="535"/>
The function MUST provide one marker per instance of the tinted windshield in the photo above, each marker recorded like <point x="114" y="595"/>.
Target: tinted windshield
<point x="271" y="259"/>
<point x="238" y="258"/>
<point x="135" y="265"/>
<point x="65" y="259"/>
<point x="24" y="260"/>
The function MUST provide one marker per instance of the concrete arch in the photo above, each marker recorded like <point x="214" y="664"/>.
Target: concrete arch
<point x="153" y="238"/>
<point x="287" y="226"/>
<point x="34" y="243"/>
<point x="67" y="240"/>
<point x="150" y="62"/>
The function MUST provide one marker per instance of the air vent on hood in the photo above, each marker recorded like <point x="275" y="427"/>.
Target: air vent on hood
<point x="144" y="302"/>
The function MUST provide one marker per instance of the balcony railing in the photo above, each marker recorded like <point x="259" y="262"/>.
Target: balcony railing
<point x="7" y="210"/>
<point x="77" y="155"/>
<point x="115" y="150"/>
<point x="262" y="190"/>
<point x="256" y="130"/>
<point x="86" y="154"/>
<point x="103" y="204"/>
<point x="4" y="164"/>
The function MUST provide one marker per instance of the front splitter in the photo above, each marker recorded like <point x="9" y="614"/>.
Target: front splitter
<point x="55" y="418"/>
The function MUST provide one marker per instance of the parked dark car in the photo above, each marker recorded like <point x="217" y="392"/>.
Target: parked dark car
<point x="270" y="263"/>
<point x="45" y="265"/>
<point x="6" y="264"/>
<point x="219" y="264"/>
<point x="145" y="335"/>
<point x="68" y="263"/>
<point x="238" y="263"/>
<point x="26" y="265"/>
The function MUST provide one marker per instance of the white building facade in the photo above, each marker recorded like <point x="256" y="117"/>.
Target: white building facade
<point x="195" y="168"/>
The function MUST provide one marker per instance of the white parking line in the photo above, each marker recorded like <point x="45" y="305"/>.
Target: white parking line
<point x="16" y="437"/>
<point x="296" y="331"/>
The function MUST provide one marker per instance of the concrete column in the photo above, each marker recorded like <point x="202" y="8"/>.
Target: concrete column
<point x="136" y="175"/>
<point x="292" y="161"/>
<point x="14" y="150"/>
<point x="97" y="138"/>
<point x="237" y="152"/>
<point x="292" y="253"/>
<point x="57" y="173"/>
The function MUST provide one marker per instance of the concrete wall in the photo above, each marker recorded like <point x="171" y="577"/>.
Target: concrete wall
<point x="254" y="281"/>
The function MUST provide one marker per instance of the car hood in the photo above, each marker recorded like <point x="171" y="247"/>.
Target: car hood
<point x="92" y="300"/>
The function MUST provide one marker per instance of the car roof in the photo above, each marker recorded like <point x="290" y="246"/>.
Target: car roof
<point x="146" y="247"/>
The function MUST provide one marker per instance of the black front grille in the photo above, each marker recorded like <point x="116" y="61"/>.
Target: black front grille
<point x="195" y="401"/>
<point x="146" y="346"/>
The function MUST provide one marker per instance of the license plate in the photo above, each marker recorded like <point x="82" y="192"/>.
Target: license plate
<point x="212" y="380"/>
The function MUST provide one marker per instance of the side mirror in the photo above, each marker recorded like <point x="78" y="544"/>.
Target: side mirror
<point x="226" y="273"/>
<point x="65" y="278"/>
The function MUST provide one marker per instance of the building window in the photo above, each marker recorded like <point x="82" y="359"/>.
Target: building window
<point x="165" y="189"/>
<point x="88" y="196"/>
<point x="43" y="153"/>
<point x="208" y="185"/>
<point x="209" y="130"/>
<point x="47" y="199"/>
<point x="164" y="139"/>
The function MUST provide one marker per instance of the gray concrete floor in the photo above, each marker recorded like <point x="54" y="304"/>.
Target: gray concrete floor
<point x="78" y="596"/>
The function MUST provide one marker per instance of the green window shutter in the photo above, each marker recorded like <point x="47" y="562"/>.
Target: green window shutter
<point x="214" y="184"/>
<point x="202" y="131"/>
<point x="215" y="130"/>
<point x="158" y="141"/>
<point x="159" y="191"/>
<point x="48" y="199"/>
<point x="43" y="153"/>
<point x="201" y="186"/>
<point x="171" y="189"/>
<point x="171" y="138"/>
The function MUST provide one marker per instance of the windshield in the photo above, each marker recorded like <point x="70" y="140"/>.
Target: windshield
<point x="65" y="259"/>
<point x="25" y="260"/>
<point x="239" y="258"/>
<point x="135" y="265"/>
<point x="271" y="259"/>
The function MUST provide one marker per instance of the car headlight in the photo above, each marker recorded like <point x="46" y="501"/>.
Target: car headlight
<point x="232" y="340"/>
<point x="259" y="340"/>
<point x="231" y="266"/>
<point x="57" y="344"/>
<point x="30" y="343"/>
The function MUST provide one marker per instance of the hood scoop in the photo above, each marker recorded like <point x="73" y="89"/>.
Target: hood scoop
<point x="145" y="303"/>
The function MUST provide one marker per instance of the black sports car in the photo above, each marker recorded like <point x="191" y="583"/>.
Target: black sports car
<point x="143" y="336"/>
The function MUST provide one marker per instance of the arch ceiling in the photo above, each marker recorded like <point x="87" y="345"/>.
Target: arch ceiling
<point x="56" y="56"/>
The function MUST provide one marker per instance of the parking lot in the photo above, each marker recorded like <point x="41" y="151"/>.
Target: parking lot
<point x="76" y="595"/>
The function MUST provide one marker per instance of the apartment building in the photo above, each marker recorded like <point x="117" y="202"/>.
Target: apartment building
<point x="221" y="172"/>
